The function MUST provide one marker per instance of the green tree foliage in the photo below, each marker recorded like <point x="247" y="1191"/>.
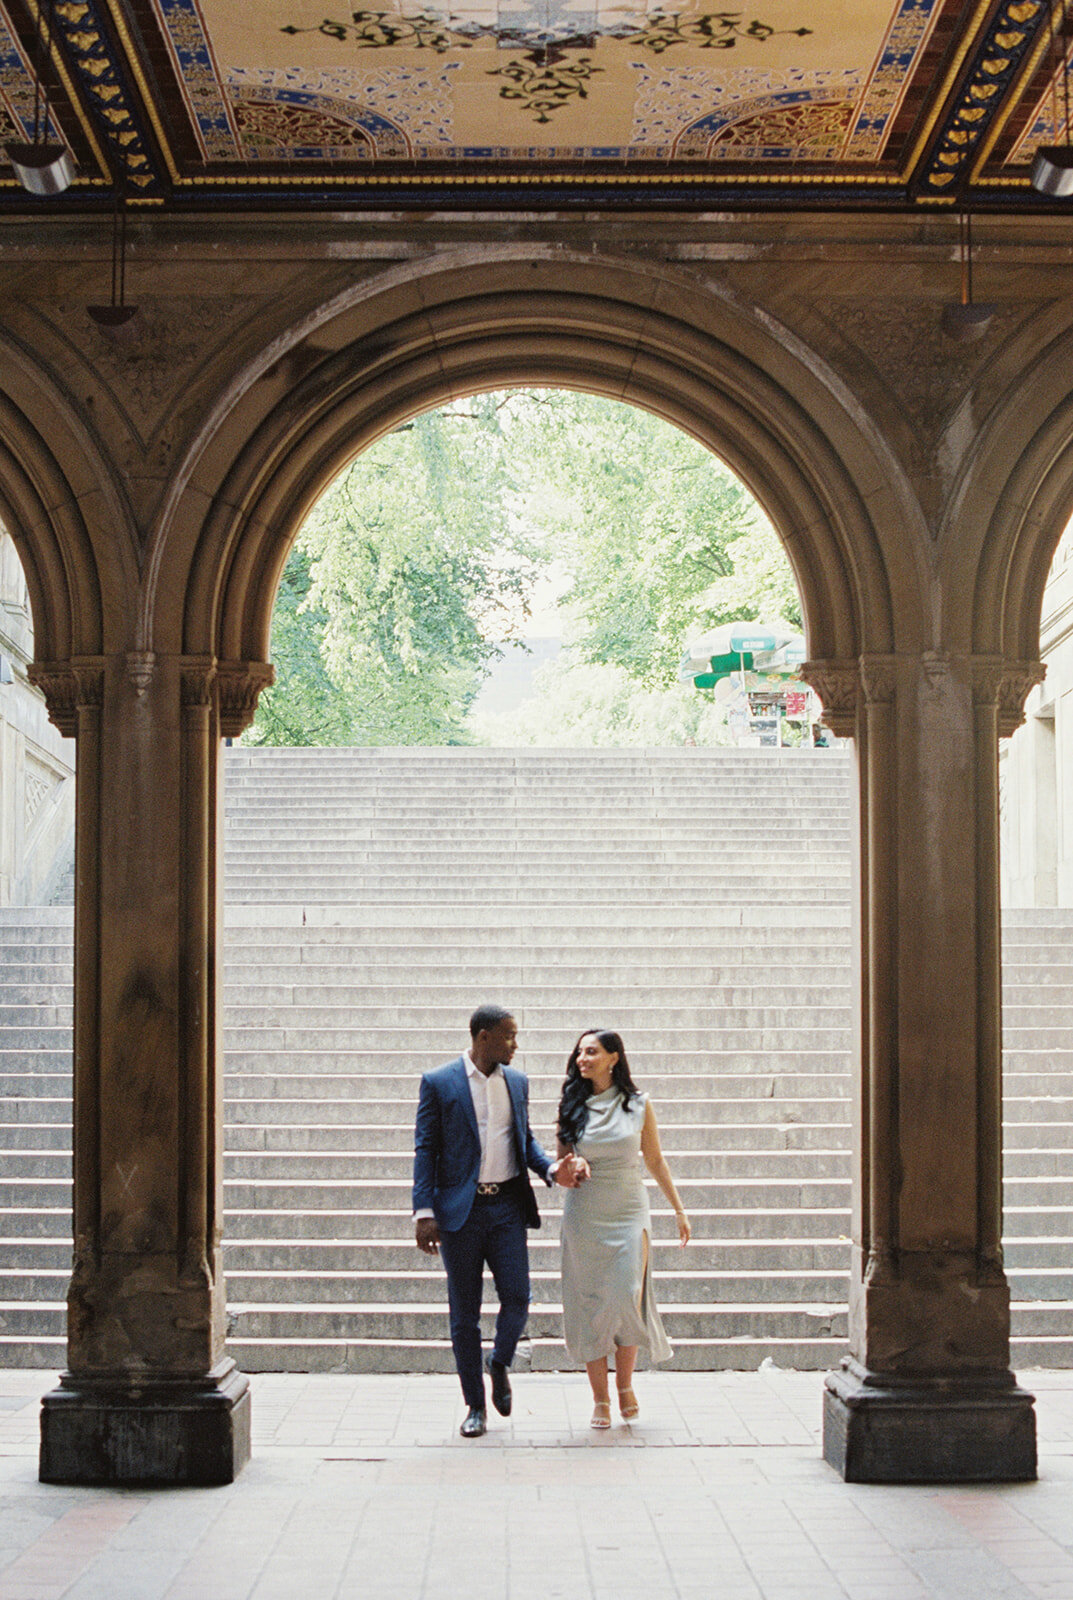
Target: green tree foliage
<point x="402" y="579"/>
<point x="416" y="567"/>
<point x="644" y="518"/>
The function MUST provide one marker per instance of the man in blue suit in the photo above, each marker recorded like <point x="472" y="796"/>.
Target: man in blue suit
<point x="473" y="1200"/>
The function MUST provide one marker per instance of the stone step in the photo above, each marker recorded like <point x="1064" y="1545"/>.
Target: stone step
<point x="418" y="1286"/>
<point x="548" y="1355"/>
<point x="397" y="1162"/>
<point x="447" y="1003"/>
<point x="682" y="1321"/>
<point x="434" y="1044"/>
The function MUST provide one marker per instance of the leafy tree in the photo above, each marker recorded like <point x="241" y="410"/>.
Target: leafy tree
<point x="404" y="576"/>
<point x="644" y="518"/>
<point x="760" y="584"/>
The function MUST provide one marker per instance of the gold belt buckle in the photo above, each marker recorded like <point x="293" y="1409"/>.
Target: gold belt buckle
<point x="488" y="1188"/>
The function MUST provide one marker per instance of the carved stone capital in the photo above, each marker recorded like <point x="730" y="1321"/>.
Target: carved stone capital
<point x="67" y="685"/>
<point x="198" y="681"/>
<point x="936" y="668"/>
<point x="140" y="667"/>
<point x="879" y="679"/>
<point x="240" y="684"/>
<point x="1007" y="685"/>
<point x="838" y="685"/>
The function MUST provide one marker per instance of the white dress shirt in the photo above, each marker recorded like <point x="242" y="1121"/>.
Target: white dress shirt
<point x="495" y="1123"/>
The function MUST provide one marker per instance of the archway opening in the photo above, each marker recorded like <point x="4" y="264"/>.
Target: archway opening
<point x="37" y="800"/>
<point x="696" y="898"/>
<point x="1036" y="802"/>
<point x="536" y="567"/>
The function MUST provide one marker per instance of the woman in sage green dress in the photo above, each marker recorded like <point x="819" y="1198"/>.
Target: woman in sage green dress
<point x="609" y="1311"/>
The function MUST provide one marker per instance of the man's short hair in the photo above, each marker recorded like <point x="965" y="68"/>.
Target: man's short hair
<point x="486" y="1017"/>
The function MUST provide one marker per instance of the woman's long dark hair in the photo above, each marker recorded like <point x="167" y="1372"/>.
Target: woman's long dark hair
<point x="574" y="1100"/>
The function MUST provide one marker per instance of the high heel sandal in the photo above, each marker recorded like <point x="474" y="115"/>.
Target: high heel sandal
<point x="601" y="1414"/>
<point x="627" y="1404"/>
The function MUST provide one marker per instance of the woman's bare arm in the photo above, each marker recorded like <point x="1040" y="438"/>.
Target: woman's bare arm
<point x="657" y="1166"/>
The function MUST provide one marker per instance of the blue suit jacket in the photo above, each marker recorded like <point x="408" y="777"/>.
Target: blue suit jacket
<point x="447" y="1146"/>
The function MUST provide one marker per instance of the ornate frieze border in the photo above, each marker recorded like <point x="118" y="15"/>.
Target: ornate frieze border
<point x="102" y="75"/>
<point x="995" y="64"/>
<point x="842" y="685"/>
<point x="69" y="685"/>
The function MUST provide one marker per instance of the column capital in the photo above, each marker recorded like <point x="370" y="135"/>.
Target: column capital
<point x="1007" y="685"/>
<point x="879" y="677"/>
<point x="838" y="685"/>
<point x="68" y="685"/>
<point x="240" y="684"/>
<point x="198" y="680"/>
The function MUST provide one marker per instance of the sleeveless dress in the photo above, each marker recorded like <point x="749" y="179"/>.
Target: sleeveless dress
<point x="607" y="1292"/>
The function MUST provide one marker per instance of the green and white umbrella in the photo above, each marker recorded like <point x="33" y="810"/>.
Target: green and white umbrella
<point x="742" y="647"/>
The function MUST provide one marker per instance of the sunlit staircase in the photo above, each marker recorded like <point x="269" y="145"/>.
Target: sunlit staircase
<point x="695" y="900"/>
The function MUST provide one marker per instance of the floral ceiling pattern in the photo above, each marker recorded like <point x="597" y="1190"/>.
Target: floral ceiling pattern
<point x="195" y="103"/>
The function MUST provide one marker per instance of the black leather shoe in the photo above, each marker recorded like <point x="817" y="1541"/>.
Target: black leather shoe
<point x="475" y="1424"/>
<point x="500" y="1376"/>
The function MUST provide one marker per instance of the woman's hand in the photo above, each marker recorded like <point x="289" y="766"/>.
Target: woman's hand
<point x="685" y="1232"/>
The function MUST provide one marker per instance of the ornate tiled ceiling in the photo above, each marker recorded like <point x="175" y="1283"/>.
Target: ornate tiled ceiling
<point x="804" y="103"/>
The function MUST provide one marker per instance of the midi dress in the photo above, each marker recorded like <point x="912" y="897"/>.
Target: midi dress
<point x="606" y="1230"/>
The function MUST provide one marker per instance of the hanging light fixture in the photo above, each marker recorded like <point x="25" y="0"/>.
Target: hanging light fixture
<point x="1052" y="166"/>
<point x="42" y="166"/>
<point x="117" y="314"/>
<point x="966" y="320"/>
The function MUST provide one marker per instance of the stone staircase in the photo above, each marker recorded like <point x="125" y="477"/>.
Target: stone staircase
<point x="695" y="900"/>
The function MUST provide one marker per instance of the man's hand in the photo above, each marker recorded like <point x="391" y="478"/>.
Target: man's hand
<point x="427" y="1233"/>
<point x="571" y="1171"/>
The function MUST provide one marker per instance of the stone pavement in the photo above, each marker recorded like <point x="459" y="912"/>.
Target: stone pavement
<point x="361" y="1487"/>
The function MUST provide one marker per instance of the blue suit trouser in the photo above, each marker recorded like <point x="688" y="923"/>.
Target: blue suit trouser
<point x="493" y="1233"/>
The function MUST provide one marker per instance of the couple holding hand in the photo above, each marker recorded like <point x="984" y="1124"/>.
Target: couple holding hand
<point x="473" y="1202"/>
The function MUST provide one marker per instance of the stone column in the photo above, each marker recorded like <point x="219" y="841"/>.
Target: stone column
<point x="927" y="1393"/>
<point x="149" y="1395"/>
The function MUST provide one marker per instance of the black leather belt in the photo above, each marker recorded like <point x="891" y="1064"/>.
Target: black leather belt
<point x="489" y="1191"/>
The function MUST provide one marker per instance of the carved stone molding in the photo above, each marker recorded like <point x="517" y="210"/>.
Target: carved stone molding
<point x="1007" y="685"/>
<point x="240" y="685"/>
<point x="67" y="685"/>
<point x="838" y="685"/>
<point x="140" y="667"/>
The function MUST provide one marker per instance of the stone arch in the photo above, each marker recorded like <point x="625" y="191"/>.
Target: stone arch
<point x="42" y="515"/>
<point x="70" y="519"/>
<point x="376" y="358"/>
<point x="1028" y="515"/>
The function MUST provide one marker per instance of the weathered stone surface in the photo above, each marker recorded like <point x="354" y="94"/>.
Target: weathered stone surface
<point x="182" y="1434"/>
<point x="940" y="1430"/>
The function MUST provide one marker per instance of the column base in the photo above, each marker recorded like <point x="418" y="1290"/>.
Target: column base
<point x="879" y="1429"/>
<point x="179" y="1432"/>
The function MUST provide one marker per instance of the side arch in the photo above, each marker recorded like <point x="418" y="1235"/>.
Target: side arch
<point x="693" y="358"/>
<point x="44" y="519"/>
<point x="1029" y="517"/>
<point x="65" y="505"/>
